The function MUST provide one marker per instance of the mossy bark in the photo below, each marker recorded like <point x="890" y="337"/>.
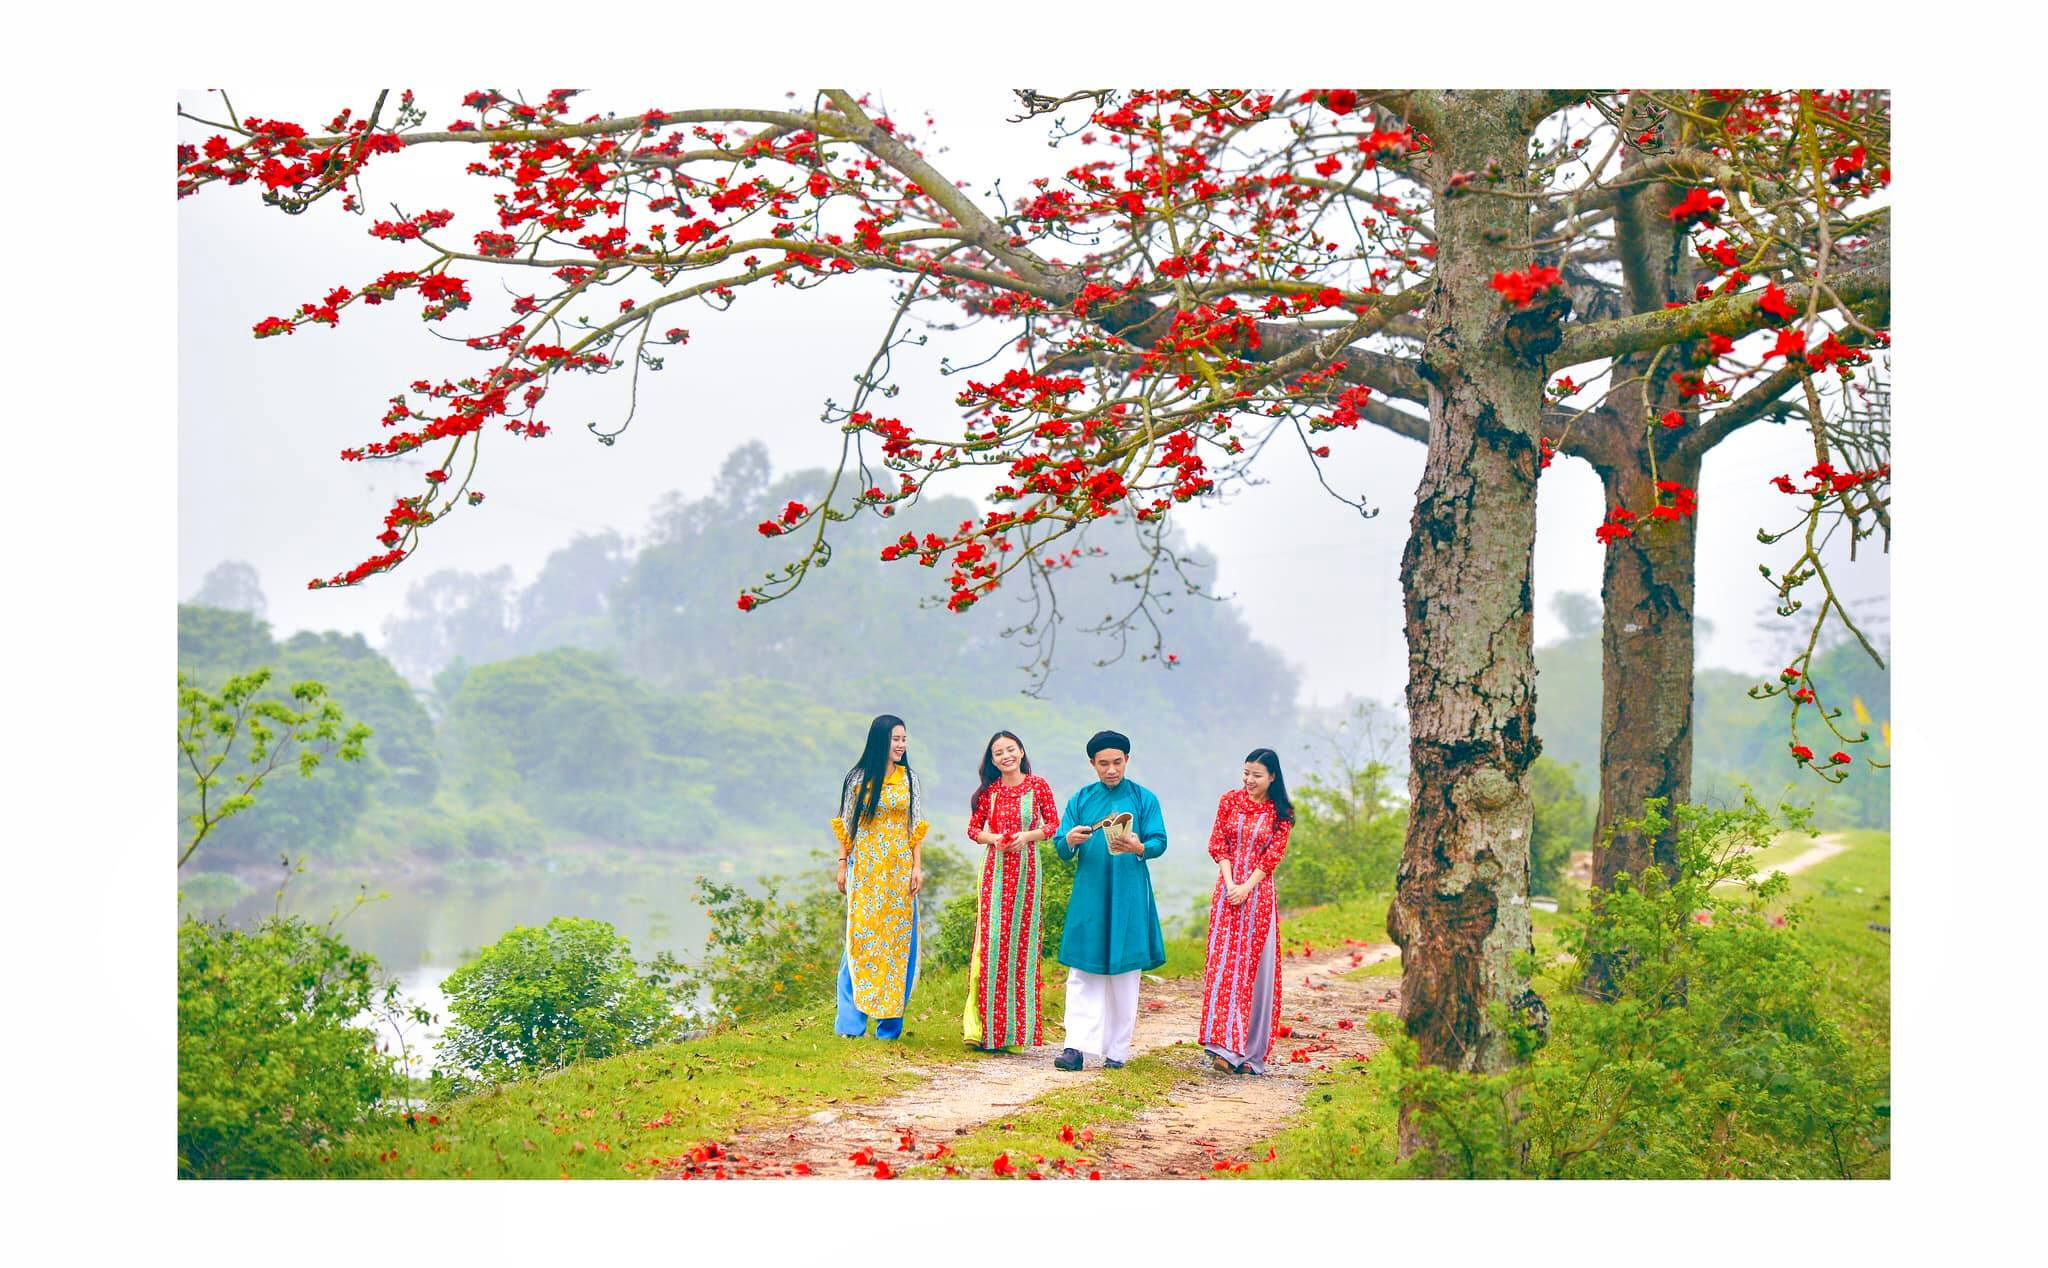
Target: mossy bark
<point x="1460" y="912"/>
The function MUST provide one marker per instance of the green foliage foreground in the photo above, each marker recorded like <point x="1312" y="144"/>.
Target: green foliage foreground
<point x="272" y="1068"/>
<point x="538" y="999"/>
<point x="1729" y="1049"/>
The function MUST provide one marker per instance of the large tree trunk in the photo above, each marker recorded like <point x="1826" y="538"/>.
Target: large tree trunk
<point x="1460" y="912"/>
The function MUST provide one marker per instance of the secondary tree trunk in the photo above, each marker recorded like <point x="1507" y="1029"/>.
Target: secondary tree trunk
<point x="1646" y="660"/>
<point x="1646" y="591"/>
<point x="1460" y="912"/>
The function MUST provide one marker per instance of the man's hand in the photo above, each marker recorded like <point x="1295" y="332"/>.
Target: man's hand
<point x="1078" y="837"/>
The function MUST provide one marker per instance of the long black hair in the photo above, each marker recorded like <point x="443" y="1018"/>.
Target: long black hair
<point x="1276" y="792"/>
<point x="989" y="773"/>
<point x="874" y="769"/>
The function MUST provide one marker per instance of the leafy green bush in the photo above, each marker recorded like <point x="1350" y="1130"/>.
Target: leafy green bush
<point x="765" y="953"/>
<point x="1055" y="887"/>
<point x="537" y="999"/>
<point x="272" y="1068"/>
<point x="1346" y="839"/>
<point x="1563" y="822"/>
<point x="953" y="948"/>
<point x="1716" y="1058"/>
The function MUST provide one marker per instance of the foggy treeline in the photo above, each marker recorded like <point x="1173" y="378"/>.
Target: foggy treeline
<point x="620" y="697"/>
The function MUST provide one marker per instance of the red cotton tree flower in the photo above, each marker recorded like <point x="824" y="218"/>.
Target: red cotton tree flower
<point x="1205" y="273"/>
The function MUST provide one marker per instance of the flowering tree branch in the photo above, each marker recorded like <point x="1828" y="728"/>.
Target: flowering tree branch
<point x="1215" y="266"/>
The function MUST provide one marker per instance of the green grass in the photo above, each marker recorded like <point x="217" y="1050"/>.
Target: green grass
<point x="1390" y="968"/>
<point x="1326" y="927"/>
<point x="591" y="1119"/>
<point x="1783" y="847"/>
<point x="1347" y="1129"/>
<point x="1844" y="896"/>
<point x="1030" y="1135"/>
<point x="1185" y="957"/>
<point x="776" y="1069"/>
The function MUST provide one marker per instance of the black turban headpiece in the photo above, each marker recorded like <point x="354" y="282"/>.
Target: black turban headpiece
<point x="1108" y="739"/>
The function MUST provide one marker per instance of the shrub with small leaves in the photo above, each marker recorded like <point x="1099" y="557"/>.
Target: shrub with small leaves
<point x="1346" y="840"/>
<point x="765" y="953"/>
<point x="537" y="999"/>
<point x="954" y="946"/>
<point x="272" y="1067"/>
<point x="1055" y="888"/>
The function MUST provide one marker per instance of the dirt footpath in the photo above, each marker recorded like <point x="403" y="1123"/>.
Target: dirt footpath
<point x="1216" y="1117"/>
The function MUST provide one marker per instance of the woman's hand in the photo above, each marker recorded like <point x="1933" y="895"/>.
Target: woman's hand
<point x="1010" y="842"/>
<point x="839" y="874"/>
<point x="916" y="879"/>
<point x="1236" y="894"/>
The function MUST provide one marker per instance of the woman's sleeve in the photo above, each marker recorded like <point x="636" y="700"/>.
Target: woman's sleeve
<point x="846" y="807"/>
<point x="1048" y="809"/>
<point x="1276" y="849"/>
<point x="1219" y="848"/>
<point x="979" y="819"/>
<point x="917" y="831"/>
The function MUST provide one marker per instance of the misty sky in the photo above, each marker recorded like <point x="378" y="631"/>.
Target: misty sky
<point x="261" y="423"/>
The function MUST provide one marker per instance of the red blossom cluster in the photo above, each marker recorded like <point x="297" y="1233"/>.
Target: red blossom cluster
<point x="1684" y="501"/>
<point x="1699" y="207"/>
<point x="1616" y="526"/>
<point x="791" y="515"/>
<point x="1519" y="290"/>
<point x="281" y="156"/>
<point x="1828" y="482"/>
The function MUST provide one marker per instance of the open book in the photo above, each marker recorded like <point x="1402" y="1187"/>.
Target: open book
<point x="1117" y="827"/>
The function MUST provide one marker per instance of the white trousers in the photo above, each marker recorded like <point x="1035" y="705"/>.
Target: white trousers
<point x="1101" y="1013"/>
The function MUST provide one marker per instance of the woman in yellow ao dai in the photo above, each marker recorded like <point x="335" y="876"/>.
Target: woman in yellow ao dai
<point x="881" y="871"/>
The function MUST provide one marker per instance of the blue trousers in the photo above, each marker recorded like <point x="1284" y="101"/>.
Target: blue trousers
<point x="850" y="1020"/>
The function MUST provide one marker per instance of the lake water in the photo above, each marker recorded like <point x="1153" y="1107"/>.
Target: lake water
<point x="434" y="921"/>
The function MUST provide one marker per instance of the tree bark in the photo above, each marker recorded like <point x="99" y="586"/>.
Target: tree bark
<point x="1460" y="912"/>
<point x="1646" y="662"/>
<point x="1646" y="590"/>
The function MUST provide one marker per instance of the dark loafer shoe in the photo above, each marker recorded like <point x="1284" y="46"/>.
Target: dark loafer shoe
<point x="1068" y="1059"/>
<point x="1112" y="1065"/>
